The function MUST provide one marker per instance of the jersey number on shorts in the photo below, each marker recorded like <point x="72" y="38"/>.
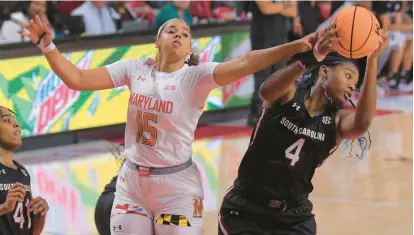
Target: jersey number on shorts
<point x="19" y="214"/>
<point x="293" y="151"/>
<point x="143" y="121"/>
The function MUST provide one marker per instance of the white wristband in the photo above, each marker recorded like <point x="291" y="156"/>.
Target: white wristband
<point x="46" y="49"/>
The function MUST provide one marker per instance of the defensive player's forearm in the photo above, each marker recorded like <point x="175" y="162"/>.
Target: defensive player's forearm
<point x="273" y="88"/>
<point x="367" y="101"/>
<point x="69" y="73"/>
<point x="258" y="60"/>
<point x="39" y="224"/>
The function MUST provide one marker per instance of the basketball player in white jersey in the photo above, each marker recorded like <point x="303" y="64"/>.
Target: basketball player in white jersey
<point x="159" y="189"/>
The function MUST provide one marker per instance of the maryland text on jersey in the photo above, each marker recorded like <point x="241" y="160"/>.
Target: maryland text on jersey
<point x="6" y="187"/>
<point x="302" y="131"/>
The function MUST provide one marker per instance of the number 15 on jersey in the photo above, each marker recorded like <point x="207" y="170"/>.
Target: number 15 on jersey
<point x="146" y="133"/>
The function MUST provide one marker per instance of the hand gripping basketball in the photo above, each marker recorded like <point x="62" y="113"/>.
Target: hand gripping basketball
<point x="38" y="32"/>
<point x="326" y="39"/>
<point x="15" y="194"/>
<point x="381" y="44"/>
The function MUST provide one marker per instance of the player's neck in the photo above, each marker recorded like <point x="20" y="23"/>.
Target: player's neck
<point x="168" y="67"/>
<point x="6" y="157"/>
<point x="317" y="101"/>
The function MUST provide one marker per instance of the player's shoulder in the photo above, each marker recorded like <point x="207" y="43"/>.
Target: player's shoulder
<point x="138" y="63"/>
<point x="22" y="168"/>
<point x="201" y="69"/>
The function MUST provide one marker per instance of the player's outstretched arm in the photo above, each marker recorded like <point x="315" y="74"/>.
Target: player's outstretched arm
<point x="354" y="124"/>
<point x="73" y="77"/>
<point x="254" y="61"/>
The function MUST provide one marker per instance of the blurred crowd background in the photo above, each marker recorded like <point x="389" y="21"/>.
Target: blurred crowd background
<point x="272" y="23"/>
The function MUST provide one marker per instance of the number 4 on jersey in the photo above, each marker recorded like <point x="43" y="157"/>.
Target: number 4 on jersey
<point x="297" y="147"/>
<point x="19" y="214"/>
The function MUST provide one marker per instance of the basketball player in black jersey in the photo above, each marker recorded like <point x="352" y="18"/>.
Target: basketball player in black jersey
<point x="298" y="129"/>
<point x="20" y="214"/>
<point x="106" y="199"/>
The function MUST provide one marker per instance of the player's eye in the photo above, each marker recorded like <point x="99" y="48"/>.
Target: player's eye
<point x="170" y="32"/>
<point x="6" y="120"/>
<point x="185" y="35"/>
<point x="348" y="76"/>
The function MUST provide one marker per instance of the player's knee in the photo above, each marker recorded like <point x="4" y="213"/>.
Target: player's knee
<point x="131" y="224"/>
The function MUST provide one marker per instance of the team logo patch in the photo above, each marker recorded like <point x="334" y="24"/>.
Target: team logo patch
<point x="198" y="208"/>
<point x="177" y="220"/>
<point x="2" y="171"/>
<point x="130" y="209"/>
<point x="326" y="120"/>
<point x="24" y="172"/>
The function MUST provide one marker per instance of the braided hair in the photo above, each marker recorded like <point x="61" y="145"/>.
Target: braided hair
<point x="309" y="79"/>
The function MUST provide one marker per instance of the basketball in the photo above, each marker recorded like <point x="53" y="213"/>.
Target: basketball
<point x="359" y="31"/>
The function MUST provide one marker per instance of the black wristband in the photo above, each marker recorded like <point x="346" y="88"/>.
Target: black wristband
<point x="40" y="38"/>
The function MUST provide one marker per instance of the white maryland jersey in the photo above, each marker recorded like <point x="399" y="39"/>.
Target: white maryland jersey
<point x="163" y="109"/>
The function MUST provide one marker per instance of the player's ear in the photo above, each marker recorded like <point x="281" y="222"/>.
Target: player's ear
<point x="157" y="43"/>
<point x="323" y="72"/>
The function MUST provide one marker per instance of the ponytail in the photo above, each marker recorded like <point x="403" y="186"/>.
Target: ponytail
<point x="193" y="60"/>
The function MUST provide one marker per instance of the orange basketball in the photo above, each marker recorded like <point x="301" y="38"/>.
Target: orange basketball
<point x="359" y="31"/>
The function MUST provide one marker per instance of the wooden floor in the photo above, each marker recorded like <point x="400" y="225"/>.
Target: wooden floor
<point x="372" y="196"/>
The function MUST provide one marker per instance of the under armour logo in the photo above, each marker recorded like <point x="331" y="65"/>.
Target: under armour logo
<point x="140" y="78"/>
<point x="115" y="228"/>
<point x="326" y="120"/>
<point x="295" y="105"/>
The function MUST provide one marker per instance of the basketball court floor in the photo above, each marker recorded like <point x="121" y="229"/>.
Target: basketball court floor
<point x="372" y="196"/>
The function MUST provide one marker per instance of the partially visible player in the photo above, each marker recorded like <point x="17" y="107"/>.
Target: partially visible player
<point x="19" y="213"/>
<point x="106" y="199"/>
<point x="159" y="188"/>
<point x="299" y="128"/>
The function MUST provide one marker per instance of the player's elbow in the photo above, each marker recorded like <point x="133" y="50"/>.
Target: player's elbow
<point x="360" y="128"/>
<point x="267" y="94"/>
<point x="74" y="83"/>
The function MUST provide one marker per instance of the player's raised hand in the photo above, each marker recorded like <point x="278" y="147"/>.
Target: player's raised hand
<point x="325" y="40"/>
<point x="381" y="44"/>
<point x="39" y="205"/>
<point x="15" y="194"/>
<point x="37" y="30"/>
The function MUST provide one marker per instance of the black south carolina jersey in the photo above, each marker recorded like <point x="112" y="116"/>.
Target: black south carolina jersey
<point x="20" y="220"/>
<point x="287" y="146"/>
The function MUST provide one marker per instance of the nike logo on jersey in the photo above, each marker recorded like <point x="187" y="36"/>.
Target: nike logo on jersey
<point x="6" y="187"/>
<point x="148" y="103"/>
<point x="302" y="131"/>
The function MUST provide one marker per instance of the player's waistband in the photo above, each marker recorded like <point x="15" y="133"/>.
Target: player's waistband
<point x="146" y="171"/>
<point x="258" y="195"/>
